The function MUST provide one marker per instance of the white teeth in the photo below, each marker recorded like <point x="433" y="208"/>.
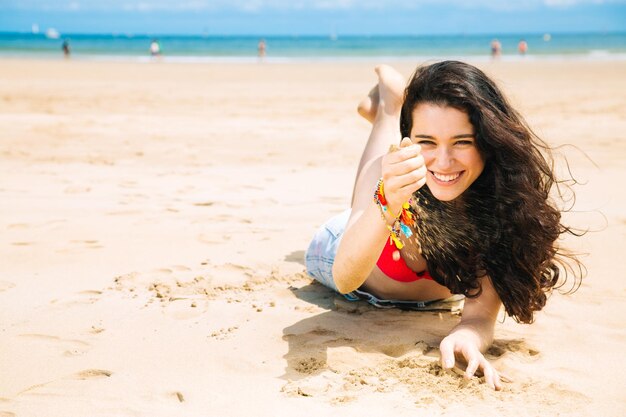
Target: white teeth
<point x="446" y="178"/>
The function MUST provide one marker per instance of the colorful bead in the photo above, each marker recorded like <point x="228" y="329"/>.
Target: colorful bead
<point x="403" y="220"/>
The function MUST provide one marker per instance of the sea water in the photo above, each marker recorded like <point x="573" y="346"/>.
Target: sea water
<point x="593" y="46"/>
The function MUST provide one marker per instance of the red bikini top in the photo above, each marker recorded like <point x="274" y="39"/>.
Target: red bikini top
<point x="398" y="270"/>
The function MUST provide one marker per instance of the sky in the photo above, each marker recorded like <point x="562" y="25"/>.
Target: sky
<point x="314" y="17"/>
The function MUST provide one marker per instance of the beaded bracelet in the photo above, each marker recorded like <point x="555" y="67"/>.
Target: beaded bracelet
<point x="379" y="198"/>
<point x="402" y="221"/>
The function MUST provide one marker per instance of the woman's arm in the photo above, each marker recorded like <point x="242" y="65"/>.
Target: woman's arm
<point x="360" y="247"/>
<point x="474" y="334"/>
<point x="403" y="173"/>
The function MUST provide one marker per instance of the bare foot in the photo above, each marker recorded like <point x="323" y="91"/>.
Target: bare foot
<point x="391" y="86"/>
<point x="368" y="107"/>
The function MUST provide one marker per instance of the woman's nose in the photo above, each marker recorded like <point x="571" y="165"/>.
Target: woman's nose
<point x="444" y="158"/>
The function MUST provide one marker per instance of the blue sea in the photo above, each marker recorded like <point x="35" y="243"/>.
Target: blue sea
<point x="593" y="46"/>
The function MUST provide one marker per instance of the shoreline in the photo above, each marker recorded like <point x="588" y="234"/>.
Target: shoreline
<point x="594" y="56"/>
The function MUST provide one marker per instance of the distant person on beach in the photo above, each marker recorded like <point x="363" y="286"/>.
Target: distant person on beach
<point x="451" y="201"/>
<point x="155" y="48"/>
<point x="496" y="48"/>
<point x="65" y="47"/>
<point x="261" y="48"/>
<point x="522" y="47"/>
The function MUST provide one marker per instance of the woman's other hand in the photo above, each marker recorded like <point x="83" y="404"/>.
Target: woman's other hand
<point x="463" y="343"/>
<point x="474" y="334"/>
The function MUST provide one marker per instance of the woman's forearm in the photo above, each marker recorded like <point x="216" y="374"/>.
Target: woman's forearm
<point x="360" y="247"/>
<point x="479" y="315"/>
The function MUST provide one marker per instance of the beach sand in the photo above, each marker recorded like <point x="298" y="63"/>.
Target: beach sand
<point x="154" y="219"/>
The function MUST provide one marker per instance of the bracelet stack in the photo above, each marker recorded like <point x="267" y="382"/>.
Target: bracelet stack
<point x="402" y="221"/>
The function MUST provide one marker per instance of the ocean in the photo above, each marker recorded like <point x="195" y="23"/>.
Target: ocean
<point x="593" y="46"/>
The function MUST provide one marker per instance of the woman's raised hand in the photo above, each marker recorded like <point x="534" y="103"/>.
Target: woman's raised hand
<point x="403" y="173"/>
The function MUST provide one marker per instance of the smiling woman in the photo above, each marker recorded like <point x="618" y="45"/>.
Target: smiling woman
<point x="465" y="209"/>
<point x="446" y="137"/>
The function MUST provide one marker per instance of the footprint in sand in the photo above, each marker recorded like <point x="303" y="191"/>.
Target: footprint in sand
<point x="67" y="347"/>
<point x="58" y="387"/>
<point x="79" y="298"/>
<point x="93" y="374"/>
<point x="181" y="292"/>
<point x="52" y="388"/>
<point x="185" y="292"/>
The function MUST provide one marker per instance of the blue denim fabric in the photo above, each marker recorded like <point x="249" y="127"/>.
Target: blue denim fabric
<point x="320" y="255"/>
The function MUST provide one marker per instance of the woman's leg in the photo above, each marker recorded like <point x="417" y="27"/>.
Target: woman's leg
<point x="382" y="108"/>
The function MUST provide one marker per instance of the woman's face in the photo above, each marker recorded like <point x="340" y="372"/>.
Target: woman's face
<point x="449" y="149"/>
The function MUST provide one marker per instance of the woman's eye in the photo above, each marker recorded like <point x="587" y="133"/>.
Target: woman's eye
<point x="425" y="142"/>
<point x="464" y="142"/>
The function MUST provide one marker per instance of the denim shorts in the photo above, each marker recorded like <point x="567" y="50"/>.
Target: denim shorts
<point x="320" y="256"/>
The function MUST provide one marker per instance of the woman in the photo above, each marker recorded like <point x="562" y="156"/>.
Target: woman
<point x="461" y="207"/>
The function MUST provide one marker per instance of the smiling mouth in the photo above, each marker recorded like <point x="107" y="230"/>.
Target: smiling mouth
<point x="446" y="178"/>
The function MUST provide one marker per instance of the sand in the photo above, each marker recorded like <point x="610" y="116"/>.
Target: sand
<point x="154" y="219"/>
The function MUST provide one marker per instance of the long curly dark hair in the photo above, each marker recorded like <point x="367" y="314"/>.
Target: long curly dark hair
<point x="506" y="225"/>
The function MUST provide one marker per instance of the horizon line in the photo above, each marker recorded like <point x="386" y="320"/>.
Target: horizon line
<point x="312" y="35"/>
